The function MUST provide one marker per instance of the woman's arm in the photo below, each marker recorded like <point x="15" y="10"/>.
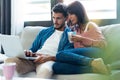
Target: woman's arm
<point x="92" y="37"/>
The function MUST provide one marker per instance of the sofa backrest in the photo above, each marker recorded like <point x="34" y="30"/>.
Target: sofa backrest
<point x="111" y="33"/>
<point x="28" y="35"/>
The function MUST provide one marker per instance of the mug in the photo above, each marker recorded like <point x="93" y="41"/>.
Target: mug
<point x="70" y="36"/>
<point x="8" y="70"/>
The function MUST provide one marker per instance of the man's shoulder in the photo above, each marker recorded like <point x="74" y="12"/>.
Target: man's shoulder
<point x="46" y="29"/>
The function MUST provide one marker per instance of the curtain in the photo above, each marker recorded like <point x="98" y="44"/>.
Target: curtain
<point x="5" y="16"/>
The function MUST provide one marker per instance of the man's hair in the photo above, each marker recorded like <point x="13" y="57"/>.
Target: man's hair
<point x="60" y="8"/>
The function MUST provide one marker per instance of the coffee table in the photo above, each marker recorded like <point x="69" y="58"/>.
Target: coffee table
<point x="24" y="78"/>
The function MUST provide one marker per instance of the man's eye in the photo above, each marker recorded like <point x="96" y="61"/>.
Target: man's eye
<point x="59" y="18"/>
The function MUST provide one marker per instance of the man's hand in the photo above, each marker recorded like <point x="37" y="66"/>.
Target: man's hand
<point x="29" y="53"/>
<point x="41" y="58"/>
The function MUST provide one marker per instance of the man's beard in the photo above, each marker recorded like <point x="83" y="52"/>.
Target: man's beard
<point x="60" y="27"/>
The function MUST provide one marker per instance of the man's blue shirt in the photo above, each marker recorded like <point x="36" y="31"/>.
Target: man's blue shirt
<point x="45" y="34"/>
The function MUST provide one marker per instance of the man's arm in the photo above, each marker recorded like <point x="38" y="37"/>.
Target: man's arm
<point x="41" y="58"/>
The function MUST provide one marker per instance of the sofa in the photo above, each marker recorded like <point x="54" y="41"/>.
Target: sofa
<point x="111" y="33"/>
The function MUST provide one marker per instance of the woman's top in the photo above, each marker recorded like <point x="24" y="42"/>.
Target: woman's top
<point x="92" y="37"/>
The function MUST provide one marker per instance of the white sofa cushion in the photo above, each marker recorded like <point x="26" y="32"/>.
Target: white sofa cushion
<point x="86" y="76"/>
<point x="111" y="34"/>
<point x="109" y="31"/>
<point x="28" y="35"/>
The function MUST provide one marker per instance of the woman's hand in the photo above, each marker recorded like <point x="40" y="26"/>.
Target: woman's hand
<point x="76" y="38"/>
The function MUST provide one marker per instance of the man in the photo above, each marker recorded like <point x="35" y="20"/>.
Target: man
<point x="46" y="45"/>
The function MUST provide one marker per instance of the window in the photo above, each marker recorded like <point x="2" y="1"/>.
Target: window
<point x="99" y="9"/>
<point x="29" y="13"/>
<point x="37" y="10"/>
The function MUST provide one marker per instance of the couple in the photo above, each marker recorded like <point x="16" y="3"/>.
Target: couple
<point x="54" y="52"/>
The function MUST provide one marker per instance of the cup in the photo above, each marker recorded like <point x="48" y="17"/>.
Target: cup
<point x="70" y="36"/>
<point x="8" y="70"/>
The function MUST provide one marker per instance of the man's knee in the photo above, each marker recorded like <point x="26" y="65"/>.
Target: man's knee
<point x="44" y="73"/>
<point x="45" y="70"/>
<point x="11" y="60"/>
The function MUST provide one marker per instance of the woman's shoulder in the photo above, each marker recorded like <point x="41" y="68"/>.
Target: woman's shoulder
<point x="92" y="25"/>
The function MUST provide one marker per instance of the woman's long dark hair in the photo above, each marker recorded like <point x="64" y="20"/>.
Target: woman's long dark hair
<point x="78" y="9"/>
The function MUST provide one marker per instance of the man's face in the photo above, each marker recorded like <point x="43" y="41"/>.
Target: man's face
<point x="58" y="20"/>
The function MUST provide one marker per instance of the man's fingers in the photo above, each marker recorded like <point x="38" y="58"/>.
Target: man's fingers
<point x="40" y="60"/>
<point x="28" y="53"/>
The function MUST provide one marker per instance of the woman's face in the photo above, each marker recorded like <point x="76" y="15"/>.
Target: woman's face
<point x="73" y="18"/>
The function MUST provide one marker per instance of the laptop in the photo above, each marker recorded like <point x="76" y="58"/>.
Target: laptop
<point x="12" y="46"/>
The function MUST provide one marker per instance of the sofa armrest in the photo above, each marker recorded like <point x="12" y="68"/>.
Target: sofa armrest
<point x="111" y="33"/>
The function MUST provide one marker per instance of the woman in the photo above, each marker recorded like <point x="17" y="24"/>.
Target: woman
<point x="88" y="44"/>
